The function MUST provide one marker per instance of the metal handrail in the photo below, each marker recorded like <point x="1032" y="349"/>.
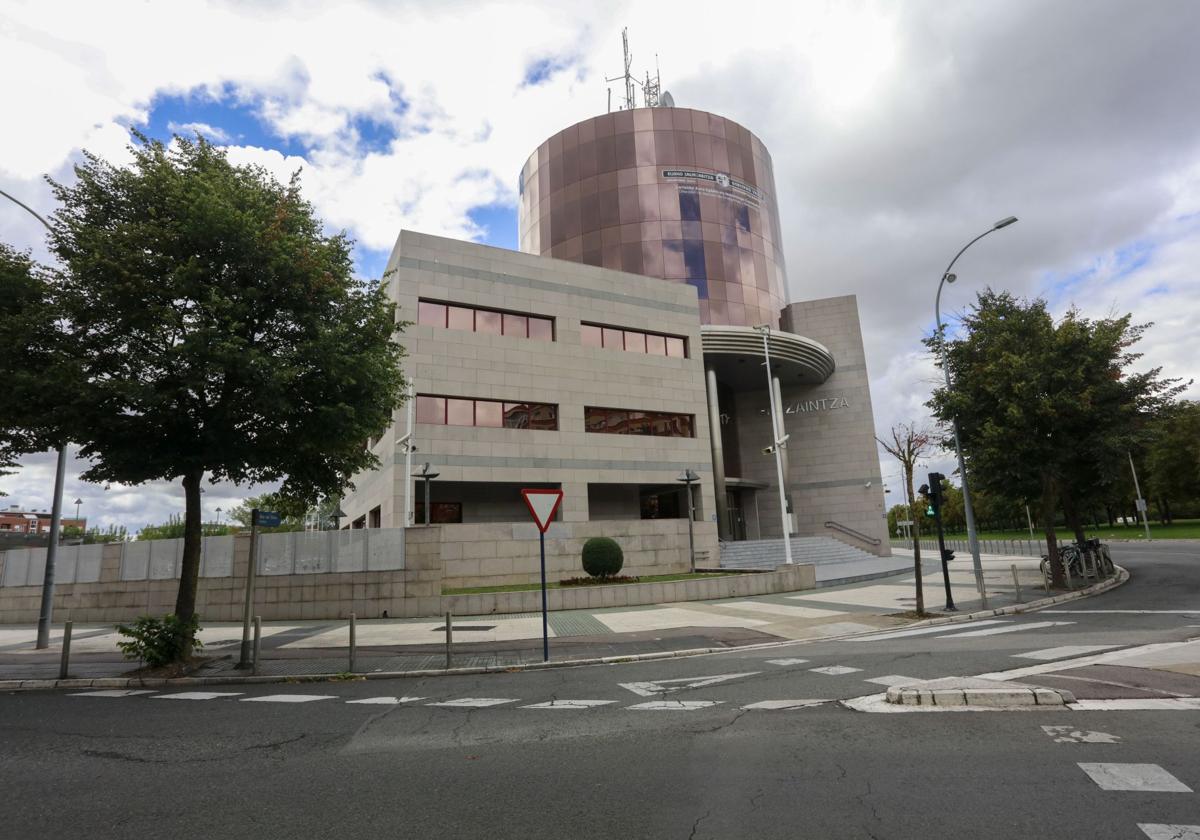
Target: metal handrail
<point x="837" y="526"/>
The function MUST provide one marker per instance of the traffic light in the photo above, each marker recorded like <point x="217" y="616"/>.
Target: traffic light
<point x="947" y="555"/>
<point x="935" y="490"/>
<point x="924" y="491"/>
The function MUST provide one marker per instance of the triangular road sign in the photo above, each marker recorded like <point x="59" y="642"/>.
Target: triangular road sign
<point x="543" y="504"/>
<point x="649" y="689"/>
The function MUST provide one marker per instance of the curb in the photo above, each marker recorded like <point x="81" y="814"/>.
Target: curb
<point x="991" y="697"/>
<point x="164" y="682"/>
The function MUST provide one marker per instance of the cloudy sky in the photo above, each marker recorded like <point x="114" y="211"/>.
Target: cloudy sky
<point x="899" y="131"/>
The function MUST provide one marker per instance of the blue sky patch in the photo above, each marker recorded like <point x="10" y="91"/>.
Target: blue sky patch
<point x="499" y="222"/>
<point x="543" y="69"/>
<point x="238" y="120"/>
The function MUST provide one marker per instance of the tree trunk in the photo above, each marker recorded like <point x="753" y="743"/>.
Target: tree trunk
<point x="189" y="572"/>
<point x="916" y="529"/>
<point x="1074" y="520"/>
<point x="1109" y="513"/>
<point x="1167" y="509"/>
<point x="1058" y="577"/>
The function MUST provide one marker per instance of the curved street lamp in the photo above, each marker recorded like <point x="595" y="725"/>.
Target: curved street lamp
<point x="968" y="510"/>
<point x="46" y="613"/>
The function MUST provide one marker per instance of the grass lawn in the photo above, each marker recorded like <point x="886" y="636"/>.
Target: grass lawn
<point x="524" y="587"/>
<point x="1181" y="529"/>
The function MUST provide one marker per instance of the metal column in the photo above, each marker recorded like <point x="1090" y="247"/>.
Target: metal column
<point x="718" y="454"/>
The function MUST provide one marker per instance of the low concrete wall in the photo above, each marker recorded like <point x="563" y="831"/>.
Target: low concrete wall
<point x="783" y="579"/>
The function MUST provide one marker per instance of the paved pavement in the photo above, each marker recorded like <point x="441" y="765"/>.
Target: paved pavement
<point x="320" y="647"/>
<point x="745" y="743"/>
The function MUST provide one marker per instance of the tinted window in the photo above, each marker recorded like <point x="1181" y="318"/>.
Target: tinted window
<point x="460" y="412"/>
<point x="689" y="206"/>
<point x="613" y="339"/>
<point x="675" y="347"/>
<point x="591" y="335"/>
<point x="635" y="342"/>
<point x="431" y="410"/>
<point x="431" y="314"/>
<point x="517" y="325"/>
<point x="461" y="318"/>
<point x="541" y="329"/>
<point x="487" y="322"/>
<point x="656" y="345"/>
<point x="489" y="413"/>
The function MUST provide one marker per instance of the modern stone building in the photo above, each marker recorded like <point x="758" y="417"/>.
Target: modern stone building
<point x="626" y="345"/>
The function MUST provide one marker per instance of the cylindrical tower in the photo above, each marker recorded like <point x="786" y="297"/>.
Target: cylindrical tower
<point x="668" y="192"/>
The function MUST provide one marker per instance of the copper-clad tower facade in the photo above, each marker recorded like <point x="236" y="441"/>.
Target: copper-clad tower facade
<point x="674" y="193"/>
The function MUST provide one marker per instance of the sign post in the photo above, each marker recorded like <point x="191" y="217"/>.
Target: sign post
<point x="266" y="519"/>
<point x="543" y="505"/>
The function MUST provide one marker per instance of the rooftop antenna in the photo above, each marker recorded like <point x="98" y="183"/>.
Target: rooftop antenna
<point x="650" y="90"/>
<point x="630" y="101"/>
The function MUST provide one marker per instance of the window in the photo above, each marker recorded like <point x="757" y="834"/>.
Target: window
<point x="619" y="421"/>
<point x="463" y="411"/>
<point x="440" y="513"/>
<point x="490" y="321"/>
<point x="633" y="341"/>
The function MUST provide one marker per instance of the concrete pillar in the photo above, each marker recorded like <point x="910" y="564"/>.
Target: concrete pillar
<point x="718" y="454"/>
<point x="777" y="396"/>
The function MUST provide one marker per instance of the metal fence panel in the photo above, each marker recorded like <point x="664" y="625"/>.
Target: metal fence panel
<point x="87" y="568"/>
<point x="66" y="563"/>
<point x="385" y="549"/>
<point x="164" y="558"/>
<point x="313" y="552"/>
<point x="216" y="559"/>
<point x="16" y="567"/>
<point x="276" y="554"/>
<point x="135" y="561"/>
<point x="350" y="548"/>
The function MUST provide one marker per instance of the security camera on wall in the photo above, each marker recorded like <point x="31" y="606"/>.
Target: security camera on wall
<point x="768" y="450"/>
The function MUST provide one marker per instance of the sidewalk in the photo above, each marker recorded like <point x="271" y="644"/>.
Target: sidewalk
<point x="396" y="645"/>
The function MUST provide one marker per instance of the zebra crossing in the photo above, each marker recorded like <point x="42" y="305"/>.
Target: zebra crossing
<point x="967" y="630"/>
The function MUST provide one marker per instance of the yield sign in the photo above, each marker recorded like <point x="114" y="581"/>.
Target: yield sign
<point x="649" y="689"/>
<point x="543" y="504"/>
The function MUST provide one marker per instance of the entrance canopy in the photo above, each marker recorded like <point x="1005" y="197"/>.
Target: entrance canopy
<point x="736" y="355"/>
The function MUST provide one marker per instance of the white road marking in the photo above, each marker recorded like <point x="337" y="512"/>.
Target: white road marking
<point x="385" y="701"/>
<point x="288" y="698"/>
<point x="674" y="705"/>
<point x="197" y="695"/>
<point x="1063" y="652"/>
<point x="786" y="661"/>
<point x="569" y="704"/>
<point x="783" y="704"/>
<point x="1138" y="704"/>
<point x="835" y="670"/>
<point x="1161" y="831"/>
<point x="892" y="679"/>
<point x="474" y="702"/>
<point x="114" y="692"/>
<point x="1016" y="628"/>
<point x="1094" y="659"/>
<point x="1127" y="612"/>
<point x="900" y="634"/>
<point x="1071" y="735"/>
<point x="1148" y="778"/>
<point x="653" y="687"/>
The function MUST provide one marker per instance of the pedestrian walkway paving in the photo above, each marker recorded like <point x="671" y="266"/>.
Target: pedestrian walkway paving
<point x="312" y="647"/>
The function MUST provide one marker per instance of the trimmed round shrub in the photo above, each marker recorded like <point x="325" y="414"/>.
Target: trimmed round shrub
<point x="602" y="557"/>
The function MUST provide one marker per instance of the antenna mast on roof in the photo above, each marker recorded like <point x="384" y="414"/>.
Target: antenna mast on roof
<point x="630" y="102"/>
<point x="653" y="96"/>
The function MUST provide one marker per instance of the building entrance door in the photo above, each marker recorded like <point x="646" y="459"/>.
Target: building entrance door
<point x="737" y="518"/>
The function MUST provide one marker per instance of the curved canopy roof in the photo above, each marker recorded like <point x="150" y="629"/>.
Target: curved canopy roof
<point x="736" y="354"/>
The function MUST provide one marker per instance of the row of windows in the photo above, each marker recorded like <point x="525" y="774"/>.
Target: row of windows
<point x="491" y="321"/>
<point x="634" y="341"/>
<point x="454" y="411"/>
<point x="457" y="411"/>
<point x="620" y="421"/>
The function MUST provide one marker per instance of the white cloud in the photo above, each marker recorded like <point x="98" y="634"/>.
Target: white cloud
<point x="898" y="132"/>
<point x="208" y="132"/>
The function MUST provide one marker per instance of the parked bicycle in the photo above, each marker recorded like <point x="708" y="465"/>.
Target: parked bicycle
<point x="1074" y="555"/>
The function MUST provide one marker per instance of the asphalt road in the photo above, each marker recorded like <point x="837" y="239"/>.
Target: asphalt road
<point x="147" y="765"/>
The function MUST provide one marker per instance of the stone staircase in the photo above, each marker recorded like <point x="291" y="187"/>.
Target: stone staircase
<point x="767" y="554"/>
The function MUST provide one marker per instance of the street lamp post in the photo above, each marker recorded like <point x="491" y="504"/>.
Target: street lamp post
<point x="46" y="613"/>
<point x="779" y="441"/>
<point x="428" y="477"/>
<point x="968" y="510"/>
<point x="689" y="478"/>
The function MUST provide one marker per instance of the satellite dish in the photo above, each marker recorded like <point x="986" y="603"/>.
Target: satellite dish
<point x="667" y="100"/>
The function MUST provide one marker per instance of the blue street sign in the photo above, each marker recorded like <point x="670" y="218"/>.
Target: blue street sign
<point x="268" y="519"/>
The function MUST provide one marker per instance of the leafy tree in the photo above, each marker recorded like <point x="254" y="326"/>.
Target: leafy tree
<point x="217" y="332"/>
<point x="908" y="444"/>
<point x="1044" y="409"/>
<point x="28" y="334"/>
<point x="1172" y="456"/>
<point x="175" y="527"/>
<point x="95" y="535"/>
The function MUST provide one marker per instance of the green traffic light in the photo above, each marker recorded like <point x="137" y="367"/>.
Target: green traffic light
<point x="929" y="511"/>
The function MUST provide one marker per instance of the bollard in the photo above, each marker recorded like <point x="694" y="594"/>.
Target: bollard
<point x="65" y="664"/>
<point x="449" y="637"/>
<point x="1067" y="572"/>
<point x="1046" y="577"/>
<point x="1016" y="582"/>
<point x="353" y="641"/>
<point x="257" y="643"/>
